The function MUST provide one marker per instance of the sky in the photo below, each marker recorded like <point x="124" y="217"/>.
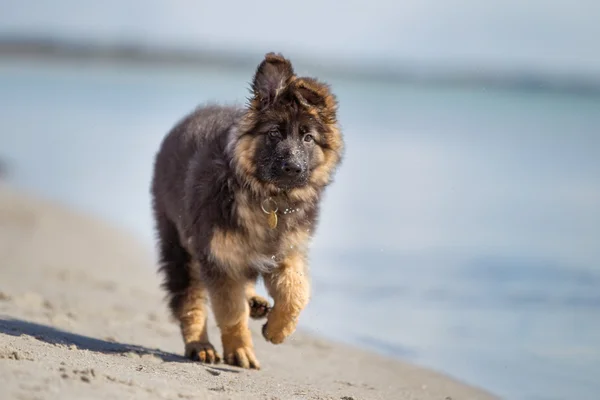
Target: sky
<point x="555" y="36"/>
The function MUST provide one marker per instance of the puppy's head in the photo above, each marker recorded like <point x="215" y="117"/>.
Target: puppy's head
<point x="289" y="140"/>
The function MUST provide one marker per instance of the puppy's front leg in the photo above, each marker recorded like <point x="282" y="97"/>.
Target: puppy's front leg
<point x="231" y="309"/>
<point x="290" y="289"/>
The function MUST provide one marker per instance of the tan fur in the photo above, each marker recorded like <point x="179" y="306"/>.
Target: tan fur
<point x="192" y="318"/>
<point x="231" y="311"/>
<point x="231" y="250"/>
<point x="289" y="286"/>
<point x="252" y="247"/>
<point x="245" y="148"/>
<point x="242" y="148"/>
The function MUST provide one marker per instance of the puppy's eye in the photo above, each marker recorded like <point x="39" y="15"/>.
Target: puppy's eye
<point x="308" y="138"/>
<point x="274" y="133"/>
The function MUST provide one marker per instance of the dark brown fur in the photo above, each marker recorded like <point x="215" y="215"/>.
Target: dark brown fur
<point x="211" y="175"/>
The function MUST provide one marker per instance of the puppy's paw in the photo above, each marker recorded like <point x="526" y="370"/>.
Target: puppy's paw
<point x="242" y="357"/>
<point x="277" y="335"/>
<point x="203" y="352"/>
<point x="259" y="307"/>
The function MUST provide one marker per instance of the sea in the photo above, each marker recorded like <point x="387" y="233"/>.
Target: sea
<point x="462" y="232"/>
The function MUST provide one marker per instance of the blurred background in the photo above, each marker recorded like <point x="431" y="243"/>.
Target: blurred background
<point x="463" y="230"/>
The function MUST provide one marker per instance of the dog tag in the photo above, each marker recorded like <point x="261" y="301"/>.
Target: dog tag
<point x="272" y="220"/>
<point x="269" y="207"/>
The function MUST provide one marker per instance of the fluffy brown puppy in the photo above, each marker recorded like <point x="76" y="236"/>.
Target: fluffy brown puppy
<point x="236" y="194"/>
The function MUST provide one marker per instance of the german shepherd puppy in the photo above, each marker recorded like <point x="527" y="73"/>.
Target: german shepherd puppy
<point x="236" y="194"/>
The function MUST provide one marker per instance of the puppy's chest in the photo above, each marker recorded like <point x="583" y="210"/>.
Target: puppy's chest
<point x="258" y="244"/>
<point x="268" y="243"/>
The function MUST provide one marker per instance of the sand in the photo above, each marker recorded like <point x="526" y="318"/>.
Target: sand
<point x="82" y="316"/>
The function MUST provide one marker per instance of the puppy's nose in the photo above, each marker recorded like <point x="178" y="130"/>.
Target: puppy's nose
<point x="292" y="168"/>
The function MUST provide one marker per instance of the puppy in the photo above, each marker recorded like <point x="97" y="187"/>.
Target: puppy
<point x="235" y="194"/>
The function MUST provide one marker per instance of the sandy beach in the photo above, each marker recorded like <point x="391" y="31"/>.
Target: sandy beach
<point x="82" y="316"/>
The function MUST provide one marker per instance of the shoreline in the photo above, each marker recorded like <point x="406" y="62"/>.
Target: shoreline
<point x="82" y="315"/>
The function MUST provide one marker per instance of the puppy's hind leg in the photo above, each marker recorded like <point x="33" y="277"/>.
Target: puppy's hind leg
<point x="259" y="306"/>
<point x="193" y="316"/>
<point x="186" y="293"/>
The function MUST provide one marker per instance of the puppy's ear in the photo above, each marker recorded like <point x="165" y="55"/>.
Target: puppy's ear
<point x="273" y="74"/>
<point x="317" y="95"/>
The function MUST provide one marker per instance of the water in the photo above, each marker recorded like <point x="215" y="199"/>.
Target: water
<point x="462" y="232"/>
